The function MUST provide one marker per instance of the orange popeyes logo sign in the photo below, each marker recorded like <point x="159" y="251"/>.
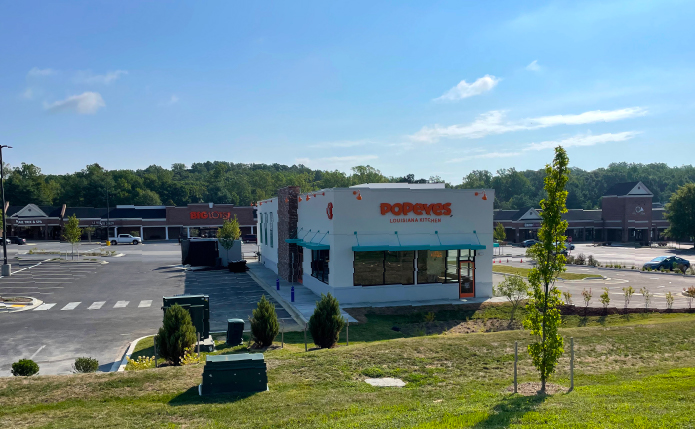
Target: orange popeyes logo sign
<point x="398" y="209"/>
<point x="210" y="215"/>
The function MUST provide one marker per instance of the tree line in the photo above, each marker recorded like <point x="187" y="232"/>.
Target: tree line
<point x="243" y="184"/>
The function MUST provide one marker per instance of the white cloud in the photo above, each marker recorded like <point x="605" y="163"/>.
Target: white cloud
<point x="465" y="89"/>
<point x="171" y="101"/>
<point x="574" y="141"/>
<point x="41" y="72"/>
<point x="533" y="66"/>
<point x="336" y="161"/>
<point x="486" y="155"/>
<point x="493" y="122"/>
<point x="28" y="94"/>
<point x="87" y="77"/>
<point x="584" y="140"/>
<point x="342" y="143"/>
<point x="86" y="103"/>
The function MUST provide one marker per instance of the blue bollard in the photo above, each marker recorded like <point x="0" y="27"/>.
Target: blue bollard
<point x="292" y="293"/>
<point x="277" y="284"/>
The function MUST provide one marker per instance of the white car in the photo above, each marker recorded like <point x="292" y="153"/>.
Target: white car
<point x="125" y="239"/>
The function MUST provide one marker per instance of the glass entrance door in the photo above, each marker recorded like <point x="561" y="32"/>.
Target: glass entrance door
<point x="466" y="279"/>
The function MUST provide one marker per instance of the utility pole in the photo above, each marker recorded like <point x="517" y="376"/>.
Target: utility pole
<point x="108" y="214"/>
<point x="5" y="266"/>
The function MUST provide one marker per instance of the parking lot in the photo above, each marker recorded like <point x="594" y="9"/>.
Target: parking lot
<point x="95" y="309"/>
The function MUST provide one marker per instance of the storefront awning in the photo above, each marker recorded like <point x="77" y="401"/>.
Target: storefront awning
<point x="311" y="240"/>
<point x="401" y="242"/>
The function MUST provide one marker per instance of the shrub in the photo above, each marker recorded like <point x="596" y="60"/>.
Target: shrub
<point x="176" y="334"/>
<point x="191" y="356"/>
<point x="429" y="317"/>
<point x="628" y="292"/>
<point x="326" y="322"/>
<point x="515" y="289"/>
<point x="669" y="300"/>
<point x="605" y="298"/>
<point x="142" y="362"/>
<point x="570" y="260"/>
<point x="264" y="323"/>
<point x="690" y="293"/>
<point x="592" y="262"/>
<point x="25" y="368"/>
<point x="85" y="364"/>
<point x="586" y="294"/>
<point x="647" y="296"/>
<point x="580" y="259"/>
<point x="567" y="296"/>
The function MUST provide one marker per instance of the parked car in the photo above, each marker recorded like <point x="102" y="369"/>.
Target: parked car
<point x="569" y="245"/>
<point x="250" y="238"/>
<point x="529" y="243"/>
<point x="17" y="240"/>
<point x="668" y="263"/>
<point x="125" y="239"/>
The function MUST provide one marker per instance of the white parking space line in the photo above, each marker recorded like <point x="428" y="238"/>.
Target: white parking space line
<point x="37" y="352"/>
<point x="71" y="305"/>
<point x="97" y="305"/>
<point x="44" y="307"/>
<point x="145" y="303"/>
<point x="121" y="304"/>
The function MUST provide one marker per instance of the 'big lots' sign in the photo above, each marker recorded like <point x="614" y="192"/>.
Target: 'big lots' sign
<point x="437" y="209"/>
<point x="210" y="215"/>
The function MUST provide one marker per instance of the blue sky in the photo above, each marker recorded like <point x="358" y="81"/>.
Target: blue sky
<point x="430" y="88"/>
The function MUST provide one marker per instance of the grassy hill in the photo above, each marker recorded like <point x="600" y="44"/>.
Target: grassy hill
<point x="634" y="371"/>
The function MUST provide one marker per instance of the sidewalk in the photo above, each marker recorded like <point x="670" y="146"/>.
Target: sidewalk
<point x="304" y="299"/>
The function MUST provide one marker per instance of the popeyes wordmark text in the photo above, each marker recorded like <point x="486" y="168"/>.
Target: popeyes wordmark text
<point x="417" y="209"/>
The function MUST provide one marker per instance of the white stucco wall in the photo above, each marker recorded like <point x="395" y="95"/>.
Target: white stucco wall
<point x="269" y="254"/>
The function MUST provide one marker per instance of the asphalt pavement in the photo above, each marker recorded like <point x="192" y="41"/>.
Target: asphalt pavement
<point x="94" y="309"/>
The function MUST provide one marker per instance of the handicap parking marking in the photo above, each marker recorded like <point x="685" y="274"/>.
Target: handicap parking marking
<point x="44" y="307"/>
<point x="96" y="305"/>
<point x="121" y="304"/>
<point x="145" y="303"/>
<point x="71" y="305"/>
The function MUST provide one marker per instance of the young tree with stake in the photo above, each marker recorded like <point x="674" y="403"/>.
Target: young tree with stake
<point x="515" y="289"/>
<point x="72" y="233"/>
<point x="228" y="233"/>
<point x="542" y="310"/>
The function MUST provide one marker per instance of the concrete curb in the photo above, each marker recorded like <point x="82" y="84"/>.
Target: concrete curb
<point x="560" y="278"/>
<point x="129" y="351"/>
<point x="34" y="303"/>
<point x="296" y="315"/>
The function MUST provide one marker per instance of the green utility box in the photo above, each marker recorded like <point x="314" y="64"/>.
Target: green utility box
<point x="198" y="307"/>
<point x="235" y="331"/>
<point x="239" y="373"/>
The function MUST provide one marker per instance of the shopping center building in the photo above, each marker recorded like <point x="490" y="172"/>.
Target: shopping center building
<point x="149" y="222"/>
<point x="381" y="242"/>
<point x="627" y="214"/>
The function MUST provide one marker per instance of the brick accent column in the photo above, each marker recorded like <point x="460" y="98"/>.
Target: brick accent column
<point x="287" y="228"/>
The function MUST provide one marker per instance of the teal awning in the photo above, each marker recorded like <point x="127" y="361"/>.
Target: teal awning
<point x="405" y="242"/>
<point x="314" y="241"/>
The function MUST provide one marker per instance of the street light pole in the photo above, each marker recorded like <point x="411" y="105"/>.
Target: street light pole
<point x="108" y="214"/>
<point x="5" y="265"/>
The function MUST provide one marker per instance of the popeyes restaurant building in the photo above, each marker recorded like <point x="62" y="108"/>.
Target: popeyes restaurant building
<point x="381" y="242"/>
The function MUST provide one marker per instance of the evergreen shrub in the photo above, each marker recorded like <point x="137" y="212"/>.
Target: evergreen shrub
<point x="264" y="323"/>
<point x="176" y="334"/>
<point x="326" y="322"/>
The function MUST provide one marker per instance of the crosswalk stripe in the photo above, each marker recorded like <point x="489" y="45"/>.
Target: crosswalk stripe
<point x="44" y="307"/>
<point x="71" y="305"/>
<point x="97" y="305"/>
<point x="145" y="303"/>
<point x="121" y="304"/>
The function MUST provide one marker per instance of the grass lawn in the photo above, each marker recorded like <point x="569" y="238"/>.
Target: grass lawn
<point x="524" y="272"/>
<point x="630" y="371"/>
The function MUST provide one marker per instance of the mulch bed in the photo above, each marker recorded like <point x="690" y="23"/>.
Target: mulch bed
<point x="15" y="299"/>
<point x="570" y="310"/>
<point x="532" y="388"/>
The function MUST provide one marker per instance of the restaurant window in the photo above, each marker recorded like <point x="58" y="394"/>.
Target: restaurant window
<point x="399" y="267"/>
<point x="319" y="264"/>
<point x="452" y="264"/>
<point x="271" y="229"/>
<point x="369" y="269"/>
<point x="431" y="266"/>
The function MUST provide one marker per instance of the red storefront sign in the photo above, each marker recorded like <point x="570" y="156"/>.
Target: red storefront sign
<point x="211" y="215"/>
<point x="404" y="209"/>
